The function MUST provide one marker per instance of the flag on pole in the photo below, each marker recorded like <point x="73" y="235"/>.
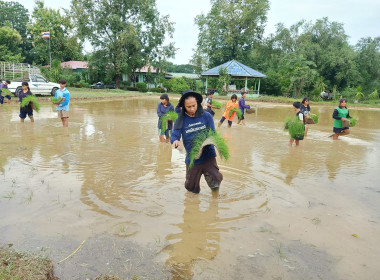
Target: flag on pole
<point x="45" y="34"/>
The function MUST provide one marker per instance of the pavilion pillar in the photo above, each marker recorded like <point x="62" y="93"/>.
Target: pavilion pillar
<point x="258" y="90"/>
<point x="245" y="88"/>
<point x="206" y="85"/>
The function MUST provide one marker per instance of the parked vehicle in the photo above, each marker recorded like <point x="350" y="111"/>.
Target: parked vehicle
<point x="20" y="72"/>
<point x="100" y="85"/>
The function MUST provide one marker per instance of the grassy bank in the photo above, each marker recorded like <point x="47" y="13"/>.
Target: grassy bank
<point x="88" y="94"/>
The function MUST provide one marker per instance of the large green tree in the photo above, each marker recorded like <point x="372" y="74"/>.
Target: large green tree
<point x="368" y="62"/>
<point x="10" y="45"/>
<point x="229" y="31"/>
<point x="64" y="43"/>
<point x="130" y="33"/>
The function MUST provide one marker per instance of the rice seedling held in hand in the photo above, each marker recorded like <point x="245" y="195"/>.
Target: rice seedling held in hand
<point x="205" y="138"/>
<point x="31" y="99"/>
<point x="296" y="129"/>
<point x="315" y="118"/>
<point x="216" y="104"/>
<point x="171" y="115"/>
<point x="238" y="113"/>
<point x="353" y="121"/>
<point x="55" y="100"/>
<point x="286" y="122"/>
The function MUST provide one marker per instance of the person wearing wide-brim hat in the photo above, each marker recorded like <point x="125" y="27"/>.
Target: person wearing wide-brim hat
<point x="192" y="120"/>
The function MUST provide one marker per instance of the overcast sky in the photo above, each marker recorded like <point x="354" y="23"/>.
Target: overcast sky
<point x="360" y="17"/>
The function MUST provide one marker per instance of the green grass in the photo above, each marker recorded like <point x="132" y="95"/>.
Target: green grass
<point x="238" y="113"/>
<point x="215" y="137"/>
<point x="171" y="115"/>
<point x="30" y="98"/>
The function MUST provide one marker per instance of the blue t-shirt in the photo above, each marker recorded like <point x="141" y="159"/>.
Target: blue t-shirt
<point x="191" y="126"/>
<point x="63" y="94"/>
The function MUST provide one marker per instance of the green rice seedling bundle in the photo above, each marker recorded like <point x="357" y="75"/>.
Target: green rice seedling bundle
<point x="315" y="117"/>
<point x="216" y="104"/>
<point x="5" y="91"/>
<point x="31" y="99"/>
<point x="238" y="113"/>
<point x="206" y="138"/>
<point x="171" y="115"/>
<point x="296" y="129"/>
<point x="286" y="122"/>
<point x="350" y="122"/>
<point x="353" y="121"/>
<point x="55" y="100"/>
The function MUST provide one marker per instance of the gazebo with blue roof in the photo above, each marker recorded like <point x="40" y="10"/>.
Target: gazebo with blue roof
<point x="237" y="71"/>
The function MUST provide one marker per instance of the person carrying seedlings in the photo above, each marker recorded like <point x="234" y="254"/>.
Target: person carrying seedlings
<point x="27" y="109"/>
<point x="64" y="102"/>
<point x="162" y="108"/>
<point x="229" y="106"/>
<point x="208" y="103"/>
<point x="4" y="85"/>
<point x="242" y="107"/>
<point x="297" y="128"/>
<point x="190" y="122"/>
<point x="305" y="110"/>
<point x="340" y="115"/>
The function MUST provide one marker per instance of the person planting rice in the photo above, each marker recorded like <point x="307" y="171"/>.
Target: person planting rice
<point x="229" y="106"/>
<point x="162" y="108"/>
<point x="208" y="103"/>
<point x="305" y="110"/>
<point x="242" y="107"/>
<point x="27" y="109"/>
<point x="340" y="115"/>
<point x="4" y="88"/>
<point x="190" y="122"/>
<point x="297" y="128"/>
<point x="64" y="102"/>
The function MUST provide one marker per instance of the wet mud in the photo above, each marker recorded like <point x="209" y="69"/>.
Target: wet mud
<point x="307" y="212"/>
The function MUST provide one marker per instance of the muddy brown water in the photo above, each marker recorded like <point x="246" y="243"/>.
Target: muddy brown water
<point x="310" y="212"/>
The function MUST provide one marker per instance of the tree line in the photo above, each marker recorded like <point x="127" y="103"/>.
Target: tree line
<point x="302" y="60"/>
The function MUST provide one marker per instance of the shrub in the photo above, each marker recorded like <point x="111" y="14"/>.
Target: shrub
<point x="160" y="90"/>
<point x="142" y="87"/>
<point x="374" y="95"/>
<point x="132" y="88"/>
<point x="179" y="85"/>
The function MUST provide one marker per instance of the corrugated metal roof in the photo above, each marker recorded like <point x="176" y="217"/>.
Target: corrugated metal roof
<point x="187" y="75"/>
<point x="75" y="64"/>
<point x="235" y="69"/>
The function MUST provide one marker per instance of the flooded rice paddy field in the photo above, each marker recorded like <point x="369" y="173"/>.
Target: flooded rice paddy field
<point x="107" y="186"/>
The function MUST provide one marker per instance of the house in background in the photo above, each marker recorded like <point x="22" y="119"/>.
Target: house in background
<point x="147" y="74"/>
<point x="77" y="66"/>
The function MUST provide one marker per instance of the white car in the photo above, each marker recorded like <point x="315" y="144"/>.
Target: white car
<point x="37" y="84"/>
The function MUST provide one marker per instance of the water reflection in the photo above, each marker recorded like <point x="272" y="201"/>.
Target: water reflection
<point x="198" y="239"/>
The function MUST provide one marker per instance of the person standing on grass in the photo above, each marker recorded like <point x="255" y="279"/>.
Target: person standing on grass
<point x="191" y="121"/>
<point x="340" y="115"/>
<point x="162" y="108"/>
<point x="299" y="115"/>
<point x="28" y="109"/>
<point x="64" y="103"/>
<point x="242" y="107"/>
<point x="4" y="85"/>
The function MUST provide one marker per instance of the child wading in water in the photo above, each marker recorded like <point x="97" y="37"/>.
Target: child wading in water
<point x="230" y="105"/>
<point x="208" y="103"/>
<point x="340" y="115"/>
<point x="242" y="107"/>
<point x="162" y="108"/>
<point x="27" y="110"/>
<point x="305" y="110"/>
<point x="300" y="117"/>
